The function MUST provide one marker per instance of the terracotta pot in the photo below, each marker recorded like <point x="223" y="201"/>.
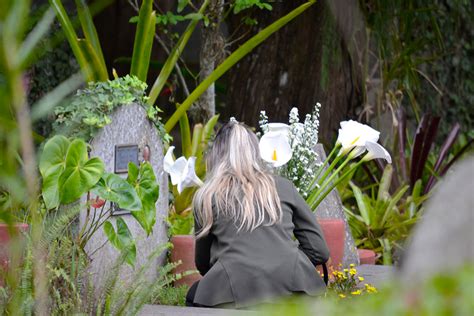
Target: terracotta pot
<point x="5" y="241"/>
<point x="334" y="234"/>
<point x="183" y="249"/>
<point x="367" y="256"/>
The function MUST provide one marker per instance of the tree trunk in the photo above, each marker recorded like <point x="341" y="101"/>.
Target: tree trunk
<point x="212" y="44"/>
<point x="305" y="62"/>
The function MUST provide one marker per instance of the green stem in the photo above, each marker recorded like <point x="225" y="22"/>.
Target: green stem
<point x="339" y="180"/>
<point x="325" y="163"/>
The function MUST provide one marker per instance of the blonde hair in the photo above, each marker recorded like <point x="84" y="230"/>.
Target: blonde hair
<point x="237" y="184"/>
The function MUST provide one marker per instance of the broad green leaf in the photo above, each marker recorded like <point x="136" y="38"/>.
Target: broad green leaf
<point x="122" y="240"/>
<point x="126" y="241"/>
<point x="113" y="188"/>
<point x="52" y="164"/>
<point x="230" y="61"/>
<point x="143" y="180"/>
<point x="80" y="173"/>
<point x="109" y="231"/>
<point x="144" y="38"/>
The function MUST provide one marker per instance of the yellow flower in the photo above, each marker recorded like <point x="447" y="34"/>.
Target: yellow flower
<point x="346" y="270"/>
<point x="361" y="278"/>
<point x="370" y="289"/>
<point x="358" y="292"/>
<point x="342" y="296"/>
<point x="352" y="271"/>
<point x="352" y="265"/>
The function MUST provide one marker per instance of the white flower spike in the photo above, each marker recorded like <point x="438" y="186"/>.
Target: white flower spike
<point x="181" y="171"/>
<point x="275" y="148"/>
<point x="376" y="151"/>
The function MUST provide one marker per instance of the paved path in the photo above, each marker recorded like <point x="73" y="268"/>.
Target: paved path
<point x="373" y="274"/>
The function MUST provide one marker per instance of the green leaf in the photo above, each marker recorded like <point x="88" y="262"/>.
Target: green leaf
<point x="172" y="59"/>
<point x="109" y="231"/>
<point x="144" y="37"/>
<point x="126" y="241"/>
<point x="363" y="209"/>
<point x="182" y="4"/>
<point x="71" y="36"/>
<point x="92" y="39"/>
<point x="34" y="37"/>
<point x="230" y="61"/>
<point x="185" y="132"/>
<point x="52" y="164"/>
<point x="143" y="180"/>
<point x="193" y="16"/>
<point x="385" y="182"/>
<point x="80" y="173"/>
<point x="122" y="240"/>
<point x="197" y="135"/>
<point x="113" y="188"/>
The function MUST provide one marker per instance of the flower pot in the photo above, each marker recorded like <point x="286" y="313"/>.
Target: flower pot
<point x="334" y="233"/>
<point x="367" y="256"/>
<point x="183" y="249"/>
<point x="6" y="243"/>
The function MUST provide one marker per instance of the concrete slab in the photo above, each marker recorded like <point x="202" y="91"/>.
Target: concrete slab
<point x="164" y="310"/>
<point x="376" y="275"/>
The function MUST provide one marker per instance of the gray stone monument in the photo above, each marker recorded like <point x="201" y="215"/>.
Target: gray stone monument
<point x="443" y="240"/>
<point x="126" y="139"/>
<point x="331" y="207"/>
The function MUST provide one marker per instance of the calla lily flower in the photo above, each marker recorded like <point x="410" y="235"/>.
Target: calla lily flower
<point x="275" y="148"/>
<point x="279" y="127"/>
<point x="181" y="171"/>
<point x="353" y="134"/>
<point x="376" y="151"/>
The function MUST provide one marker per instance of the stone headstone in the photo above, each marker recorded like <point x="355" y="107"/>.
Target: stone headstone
<point x="129" y="137"/>
<point x="443" y="240"/>
<point x="331" y="207"/>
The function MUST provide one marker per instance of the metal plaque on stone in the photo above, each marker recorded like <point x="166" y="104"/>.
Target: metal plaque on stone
<point x="123" y="155"/>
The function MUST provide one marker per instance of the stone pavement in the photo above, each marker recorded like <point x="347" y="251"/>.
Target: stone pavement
<point x="376" y="275"/>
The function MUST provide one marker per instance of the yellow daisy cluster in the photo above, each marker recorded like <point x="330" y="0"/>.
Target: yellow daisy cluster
<point x="370" y="289"/>
<point x="339" y="275"/>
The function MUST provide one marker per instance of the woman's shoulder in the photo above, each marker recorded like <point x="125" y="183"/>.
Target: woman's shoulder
<point x="283" y="184"/>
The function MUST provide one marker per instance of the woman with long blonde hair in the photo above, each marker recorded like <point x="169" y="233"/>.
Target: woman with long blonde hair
<point x="256" y="239"/>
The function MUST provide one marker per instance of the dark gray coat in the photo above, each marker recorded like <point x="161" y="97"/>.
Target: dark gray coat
<point x="246" y="268"/>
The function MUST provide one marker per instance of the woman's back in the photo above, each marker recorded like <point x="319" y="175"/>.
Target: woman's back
<point x="245" y="222"/>
<point x="249" y="267"/>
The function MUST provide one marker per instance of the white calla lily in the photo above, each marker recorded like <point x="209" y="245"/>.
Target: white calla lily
<point x="279" y="127"/>
<point x="275" y="148"/>
<point x="168" y="161"/>
<point x="181" y="171"/>
<point x="354" y="134"/>
<point x="188" y="176"/>
<point x="376" y="151"/>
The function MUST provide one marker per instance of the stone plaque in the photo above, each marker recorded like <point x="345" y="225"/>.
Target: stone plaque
<point x="123" y="155"/>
